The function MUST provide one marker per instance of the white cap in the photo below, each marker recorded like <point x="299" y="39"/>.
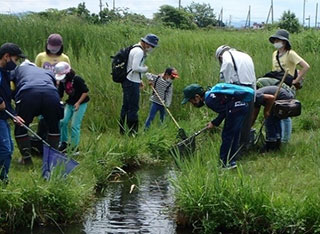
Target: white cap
<point x="61" y="69"/>
<point x="221" y="49"/>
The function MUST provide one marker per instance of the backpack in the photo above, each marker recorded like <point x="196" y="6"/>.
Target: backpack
<point x="119" y="64"/>
<point x="287" y="108"/>
<point x="242" y="93"/>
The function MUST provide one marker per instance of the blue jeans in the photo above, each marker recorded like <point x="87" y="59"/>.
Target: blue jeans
<point x="76" y="120"/>
<point x="273" y="128"/>
<point x="155" y="107"/>
<point x="286" y="129"/>
<point x="6" y="149"/>
<point x="231" y="132"/>
<point x="130" y="105"/>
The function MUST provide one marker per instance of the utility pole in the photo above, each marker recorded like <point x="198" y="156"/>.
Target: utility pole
<point x="308" y="21"/>
<point x="304" y="11"/>
<point x="114" y="4"/>
<point x="248" y="18"/>
<point x="230" y="17"/>
<point x="316" y="20"/>
<point x="270" y="13"/>
<point x="179" y="4"/>
<point x="100" y="5"/>
<point x="220" y="18"/>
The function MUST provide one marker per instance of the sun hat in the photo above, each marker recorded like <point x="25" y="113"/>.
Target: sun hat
<point x="281" y="34"/>
<point x="190" y="91"/>
<point x="151" y="39"/>
<point x="54" y="42"/>
<point x="61" y="69"/>
<point x="12" y="49"/>
<point x="221" y="49"/>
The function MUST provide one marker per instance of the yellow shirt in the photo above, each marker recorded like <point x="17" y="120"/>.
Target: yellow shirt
<point x="288" y="60"/>
<point x="48" y="62"/>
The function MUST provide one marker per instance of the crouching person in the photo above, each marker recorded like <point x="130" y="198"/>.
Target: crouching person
<point x="76" y="104"/>
<point x="229" y="109"/>
<point x="265" y="97"/>
<point x="35" y="94"/>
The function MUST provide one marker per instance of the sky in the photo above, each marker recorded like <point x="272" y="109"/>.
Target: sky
<point x="233" y="10"/>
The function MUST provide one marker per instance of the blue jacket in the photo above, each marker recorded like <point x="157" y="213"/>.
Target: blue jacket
<point x="5" y="93"/>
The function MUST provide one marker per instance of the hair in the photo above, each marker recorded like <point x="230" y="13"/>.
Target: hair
<point x="169" y="70"/>
<point x="287" y="45"/>
<point x="71" y="74"/>
<point x="48" y="51"/>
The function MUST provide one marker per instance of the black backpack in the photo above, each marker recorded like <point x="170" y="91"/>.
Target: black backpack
<point x="119" y="64"/>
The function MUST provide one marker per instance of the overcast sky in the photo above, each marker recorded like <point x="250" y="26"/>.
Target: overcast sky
<point x="236" y="10"/>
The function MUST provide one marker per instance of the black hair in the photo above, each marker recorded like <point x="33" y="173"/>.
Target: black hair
<point x="71" y="74"/>
<point x="58" y="53"/>
<point x="169" y="70"/>
<point x="287" y="45"/>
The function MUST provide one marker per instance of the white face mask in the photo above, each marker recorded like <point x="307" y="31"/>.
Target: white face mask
<point x="278" y="45"/>
<point x="149" y="50"/>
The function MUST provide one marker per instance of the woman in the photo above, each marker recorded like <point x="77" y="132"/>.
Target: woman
<point x="284" y="58"/>
<point x="76" y="104"/>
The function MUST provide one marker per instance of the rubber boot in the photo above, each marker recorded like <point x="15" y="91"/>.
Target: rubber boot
<point x="122" y="126"/>
<point x="53" y="140"/>
<point x="25" y="150"/>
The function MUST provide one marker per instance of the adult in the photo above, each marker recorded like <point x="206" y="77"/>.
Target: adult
<point x="284" y="58"/>
<point x="36" y="94"/>
<point x="237" y="68"/>
<point x="76" y="104"/>
<point x="9" y="55"/>
<point x="52" y="55"/>
<point x="131" y="85"/>
<point x="229" y="109"/>
<point x="265" y="97"/>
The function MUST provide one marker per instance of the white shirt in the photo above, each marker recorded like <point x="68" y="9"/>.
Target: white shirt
<point x="136" y="64"/>
<point x="244" y="75"/>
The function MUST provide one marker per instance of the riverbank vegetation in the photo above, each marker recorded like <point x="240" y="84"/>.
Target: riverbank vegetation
<point x="273" y="192"/>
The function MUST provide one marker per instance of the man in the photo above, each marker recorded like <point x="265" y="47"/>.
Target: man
<point x="9" y="55"/>
<point x="265" y="97"/>
<point x="36" y="94"/>
<point x="230" y="109"/>
<point x="238" y="68"/>
<point x="131" y="86"/>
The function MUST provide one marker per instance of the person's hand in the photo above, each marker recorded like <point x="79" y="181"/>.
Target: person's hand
<point x="76" y="106"/>
<point x="210" y="125"/>
<point x="150" y="83"/>
<point x="18" y="120"/>
<point x="2" y="106"/>
<point x="141" y="85"/>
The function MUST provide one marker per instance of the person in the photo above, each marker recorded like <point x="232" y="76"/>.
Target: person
<point x="265" y="97"/>
<point x="76" y="104"/>
<point x="9" y="55"/>
<point x="52" y="55"/>
<point x="284" y="58"/>
<point x="163" y="86"/>
<point x="229" y="109"/>
<point x="35" y="94"/>
<point x="237" y="67"/>
<point x="131" y="86"/>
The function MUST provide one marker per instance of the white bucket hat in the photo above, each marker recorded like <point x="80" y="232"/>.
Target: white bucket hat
<point x="61" y="69"/>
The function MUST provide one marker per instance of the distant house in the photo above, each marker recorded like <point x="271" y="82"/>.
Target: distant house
<point x="257" y="25"/>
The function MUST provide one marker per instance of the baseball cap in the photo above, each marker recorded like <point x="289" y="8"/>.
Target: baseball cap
<point x="221" y="49"/>
<point x="11" y="49"/>
<point x="54" y="42"/>
<point x="190" y="92"/>
<point x="61" y="69"/>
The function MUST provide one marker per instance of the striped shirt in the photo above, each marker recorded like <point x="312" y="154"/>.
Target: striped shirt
<point x="163" y="87"/>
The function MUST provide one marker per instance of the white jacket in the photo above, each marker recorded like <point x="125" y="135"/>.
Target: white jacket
<point x="135" y="64"/>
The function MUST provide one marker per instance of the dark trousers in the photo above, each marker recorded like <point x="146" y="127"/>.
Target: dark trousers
<point x="231" y="132"/>
<point x="246" y="126"/>
<point x="273" y="128"/>
<point x="130" y="105"/>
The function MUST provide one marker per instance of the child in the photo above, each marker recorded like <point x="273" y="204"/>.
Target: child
<point x="163" y="86"/>
<point x="76" y="104"/>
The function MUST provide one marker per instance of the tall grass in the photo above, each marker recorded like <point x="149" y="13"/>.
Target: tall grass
<point x="269" y="193"/>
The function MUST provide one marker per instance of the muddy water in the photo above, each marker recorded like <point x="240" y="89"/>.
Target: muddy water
<point x="147" y="209"/>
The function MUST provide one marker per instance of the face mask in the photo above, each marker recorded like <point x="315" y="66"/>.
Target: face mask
<point x="10" y="65"/>
<point x="199" y="104"/>
<point x="278" y="45"/>
<point x="149" y="50"/>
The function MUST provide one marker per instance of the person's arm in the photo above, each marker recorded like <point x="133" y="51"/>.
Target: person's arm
<point x="268" y="100"/>
<point x="169" y="96"/>
<point x="226" y="71"/>
<point x="2" y="105"/>
<point x="305" y="67"/>
<point x="256" y="111"/>
<point x="81" y="99"/>
<point x="136" y="60"/>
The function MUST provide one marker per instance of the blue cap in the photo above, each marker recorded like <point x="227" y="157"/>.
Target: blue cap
<point x="150" y="39"/>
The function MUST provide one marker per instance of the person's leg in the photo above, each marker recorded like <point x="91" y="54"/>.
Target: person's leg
<point x="286" y="129"/>
<point x="162" y="113"/>
<point x="68" y="112"/>
<point x="6" y="149"/>
<point x="152" y="114"/>
<point x="273" y="133"/>
<point x="76" y="124"/>
<point x="133" y="107"/>
<point x="126" y="86"/>
<point x="246" y="126"/>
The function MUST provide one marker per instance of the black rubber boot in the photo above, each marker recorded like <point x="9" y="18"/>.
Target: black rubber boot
<point x="25" y="150"/>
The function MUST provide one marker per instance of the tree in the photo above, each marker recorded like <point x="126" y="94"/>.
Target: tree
<point x="203" y="15"/>
<point x="290" y="22"/>
<point x="174" y="17"/>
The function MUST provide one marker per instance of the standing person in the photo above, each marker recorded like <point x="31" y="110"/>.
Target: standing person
<point x="265" y="97"/>
<point x="76" y="104"/>
<point x="9" y="55"/>
<point x="237" y="68"/>
<point x="131" y="85"/>
<point x="52" y="55"/>
<point x="229" y="109"/>
<point x="163" y="85"/>
<point x="36" y="94"/>
<point x="284" y="58"/>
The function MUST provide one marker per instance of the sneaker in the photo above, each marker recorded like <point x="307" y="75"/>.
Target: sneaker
<point x="25" y="161"/>
<point x="229" y="166"/>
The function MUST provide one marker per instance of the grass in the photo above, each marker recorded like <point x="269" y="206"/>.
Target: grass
<point x="273" y="192"/>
